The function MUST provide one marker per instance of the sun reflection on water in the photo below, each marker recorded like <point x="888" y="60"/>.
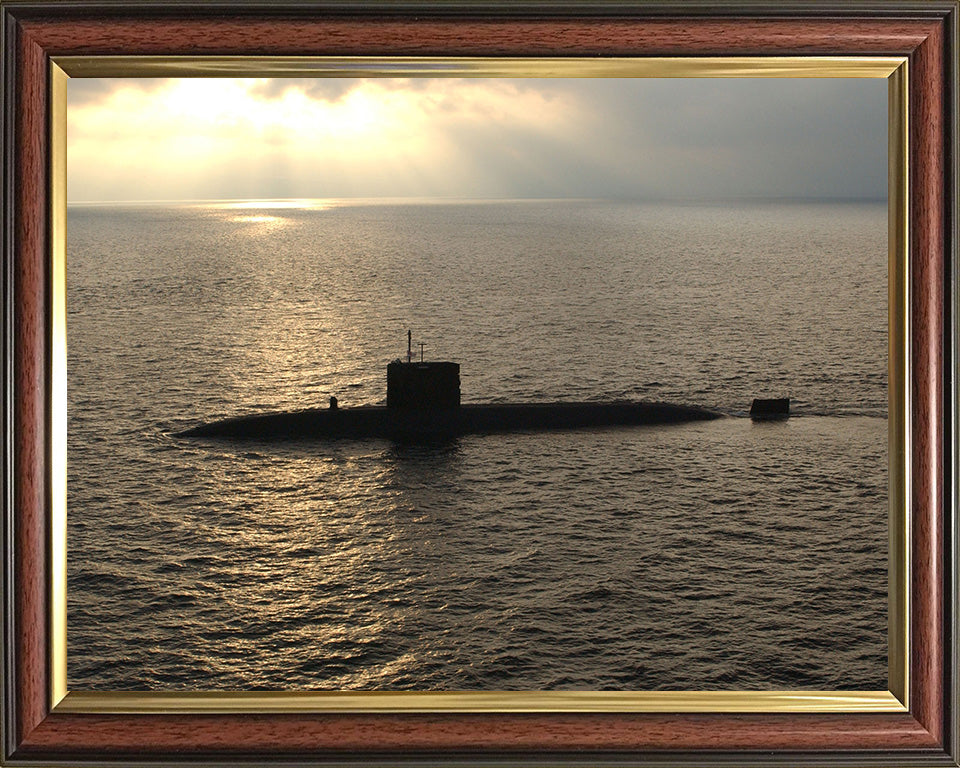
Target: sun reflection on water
<point x="262" y="212"/>
<point x="258" y="219"/>
<point x="299" y="204"/>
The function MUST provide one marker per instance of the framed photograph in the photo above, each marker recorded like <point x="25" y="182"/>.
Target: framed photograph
<point x="465" y="383"/>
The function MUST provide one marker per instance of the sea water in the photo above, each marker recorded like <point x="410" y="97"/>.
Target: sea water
<point x="714" y="555"/>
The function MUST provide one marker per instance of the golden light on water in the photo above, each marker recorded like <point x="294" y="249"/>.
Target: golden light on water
<point x="258" y="219"/>
<point x="260" y="211"/>
<point x="268" y="213"/>
<point x="313" y="205"/>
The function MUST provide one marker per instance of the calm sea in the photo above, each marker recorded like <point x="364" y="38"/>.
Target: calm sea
<point x="717" y="555"/>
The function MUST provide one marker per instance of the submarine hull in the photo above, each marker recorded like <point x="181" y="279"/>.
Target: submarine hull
<point x="418" y="425"/>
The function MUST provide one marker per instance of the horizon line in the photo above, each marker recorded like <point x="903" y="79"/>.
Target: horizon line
<point x="307" y="201"/>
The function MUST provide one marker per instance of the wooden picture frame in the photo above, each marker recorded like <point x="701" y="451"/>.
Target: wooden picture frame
<point x="36" y="731"/>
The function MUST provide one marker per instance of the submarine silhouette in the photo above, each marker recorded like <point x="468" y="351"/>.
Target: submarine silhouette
<point x="423" y="404"/>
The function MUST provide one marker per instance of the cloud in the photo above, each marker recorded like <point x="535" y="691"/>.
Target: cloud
<point x="794" y="137"/>
<point x="339" y="137"/>
<point x="324" y="89"/>
<point x="97" y="90"/>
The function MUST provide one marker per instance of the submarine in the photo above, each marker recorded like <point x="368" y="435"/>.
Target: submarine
<point x="423" y="404"/>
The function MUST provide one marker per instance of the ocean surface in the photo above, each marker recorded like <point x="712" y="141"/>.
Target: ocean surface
<point x="714" y="555"/>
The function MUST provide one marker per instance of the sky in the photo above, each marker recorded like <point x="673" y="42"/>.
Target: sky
<point x="234" y="139"/>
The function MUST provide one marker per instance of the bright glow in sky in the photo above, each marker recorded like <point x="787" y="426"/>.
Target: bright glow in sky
<point x="190" y="139"/>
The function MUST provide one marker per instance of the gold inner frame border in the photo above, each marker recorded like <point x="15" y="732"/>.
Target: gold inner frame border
<point x="895" y="699"/>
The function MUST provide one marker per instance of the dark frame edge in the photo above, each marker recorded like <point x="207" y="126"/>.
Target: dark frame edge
<point x="951" y="349"/>
<point x="488" y="8"/>
<point x="8" y="27"/>
<point x="466" y="759"/>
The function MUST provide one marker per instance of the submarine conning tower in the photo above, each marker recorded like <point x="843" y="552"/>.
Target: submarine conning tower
<point x="422" y="386"/>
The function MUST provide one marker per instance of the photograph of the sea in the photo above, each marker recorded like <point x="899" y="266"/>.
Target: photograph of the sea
<point x="725" y="554"/>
